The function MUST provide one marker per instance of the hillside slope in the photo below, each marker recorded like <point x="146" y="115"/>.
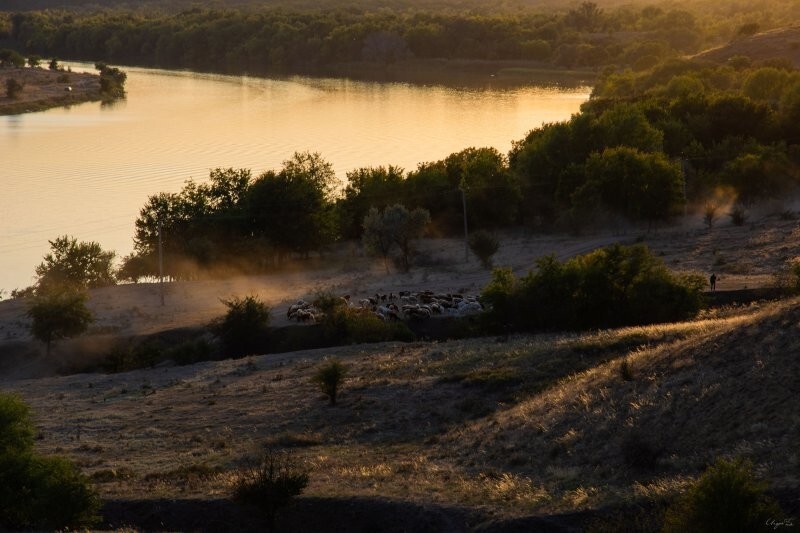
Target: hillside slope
<point x="781" y="43"/>
<point x="729" y="391"/>
<point x="474" y="431"/>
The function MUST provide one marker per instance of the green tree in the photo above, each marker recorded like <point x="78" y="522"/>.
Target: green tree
<point x="433" y="188"/>
<point x="293" y="209"/>
<point x="484" y="245"/>
<point x="397" y="225"/>
<point x="112" y="80"/>
<point x="627" y="125"/>
<point x="58" y="314"/>
<point x="367" y="188"/>
<point x="329" y="377"/>
<point x="201" y="225"/>
<point x="41" y="493"/>
<point x="16" y="435"/>
<point x="766" y="173"/>
<point x="11" y="58"/>
<point x="586" y="17"/>
<point x="311" y="167"/>
<point x="544" y="162"/>
<point x="82" y="265"/>
<point x="493" y="193"/>
<point x="765" y="84"/>
<point x="244" y="326"/>
<point x="34" y="61"/>
<point x="377" y="236"/>
<point x="637" y="185"/>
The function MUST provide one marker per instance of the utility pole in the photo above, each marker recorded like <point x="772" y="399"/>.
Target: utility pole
<point x="160" y="265"/>
<point x="466" y="235"/>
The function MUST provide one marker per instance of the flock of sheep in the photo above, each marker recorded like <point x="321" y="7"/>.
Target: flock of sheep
<point x="404" y="305"/>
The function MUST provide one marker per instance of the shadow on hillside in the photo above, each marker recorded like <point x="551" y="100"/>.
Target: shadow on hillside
<point x="324" y="515"/>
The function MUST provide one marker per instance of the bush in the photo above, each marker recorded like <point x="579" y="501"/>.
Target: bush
<point x="244" y="327"/>
<point x="13" y="88"/>
<point x="125" y="357"/>
<point x="727" y="497"/>
<point x="112" y="80"/>
<point x="271" y="484"/>
<point x="16" y="430"/>
<point x="347" y="325"/>
<point x="59" y="314"/>
<point x="738" y="215"/>
<point x="38" y="492"/>
<point x="329" y="377"/>
<point x="625" y="370"/>
<point x="610" y="287"/>
<point x="484" y="245"/>
<point x="788" y="278"/>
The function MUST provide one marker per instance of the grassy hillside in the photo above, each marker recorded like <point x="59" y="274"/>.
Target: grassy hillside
<point x="779" y="44"/>
<point x="451" y="434"/>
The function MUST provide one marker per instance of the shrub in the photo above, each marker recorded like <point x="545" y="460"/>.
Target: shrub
<point x="788" y="278"/>
<point x="38" y="492"/>
<point x="16" y="430"/>
<point x="625" y="370"/>
<point x="610" y="287"/>
<point x="245" y="325"/>
<point x="59" y="314"/>
<point x="190" y="352"/>
<point x="13" y="88"/>
<point x="125" y="357"/>
<point x="396" y="227"/>
<point x="271" y="484"/>
<point x="347" y="325"/>
<point x="727" y="497"/>
<point x="484" y="245"/>
<point x="329" y="377"/>
<point x="738" y="215"/>
<point x="112" y="80"/>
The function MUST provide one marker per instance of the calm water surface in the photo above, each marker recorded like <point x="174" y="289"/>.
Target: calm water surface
<point x="87" y="170"/>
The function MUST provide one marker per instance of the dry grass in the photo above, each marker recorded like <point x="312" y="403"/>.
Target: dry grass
<point x="513" y="426"/>
<point x="534" y="424"/>
<point x="44" y="89"/>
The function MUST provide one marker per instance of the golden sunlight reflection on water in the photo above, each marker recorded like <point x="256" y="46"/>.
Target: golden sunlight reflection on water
<point x="87" y="170"/>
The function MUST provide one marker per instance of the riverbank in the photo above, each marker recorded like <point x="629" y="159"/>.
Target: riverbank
<point x="463" y="73"/>
<point x="44" y="89"/>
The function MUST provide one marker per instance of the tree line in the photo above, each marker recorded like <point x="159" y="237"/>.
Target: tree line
<point x="269" y="40"/>
<point x="643" y="149"/>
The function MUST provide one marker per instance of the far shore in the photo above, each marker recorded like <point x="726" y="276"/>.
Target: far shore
<point x="45" y="89"/>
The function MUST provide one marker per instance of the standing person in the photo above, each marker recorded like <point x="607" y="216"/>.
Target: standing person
<point x="713" y="281"/>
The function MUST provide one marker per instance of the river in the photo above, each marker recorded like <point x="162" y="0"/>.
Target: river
<point x="86" y="171"/>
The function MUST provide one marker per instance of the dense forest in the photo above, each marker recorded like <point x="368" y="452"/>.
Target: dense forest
<point x="290" y="39"/>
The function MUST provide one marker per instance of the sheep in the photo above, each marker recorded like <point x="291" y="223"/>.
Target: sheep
<point x="300" y="304"/>
<point x="304" y="315"/>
